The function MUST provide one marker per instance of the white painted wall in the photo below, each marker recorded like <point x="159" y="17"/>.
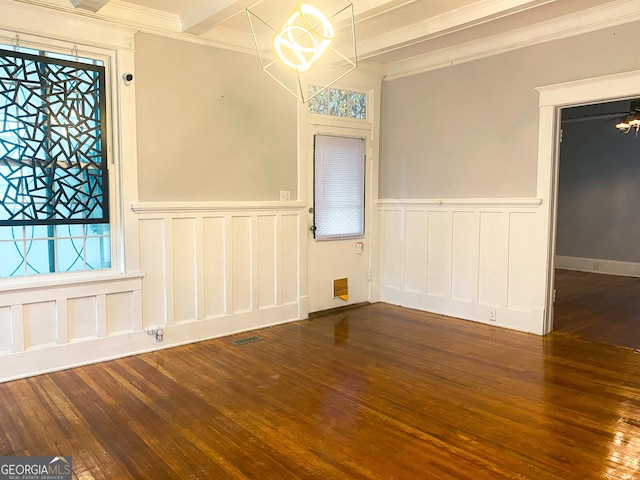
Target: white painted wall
<point x="471" y="130"/>
<point x="476" y="132"/>
<point x="206" y="128"/>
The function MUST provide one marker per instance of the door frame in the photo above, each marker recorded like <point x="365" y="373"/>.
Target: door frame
<point x="369" y="82"/>
<point x="370" y="212"/>
<point x="552" y="99"/>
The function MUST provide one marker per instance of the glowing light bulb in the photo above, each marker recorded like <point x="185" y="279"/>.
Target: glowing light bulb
<point x="303" y="38"/>
<point x="623" y="126"/>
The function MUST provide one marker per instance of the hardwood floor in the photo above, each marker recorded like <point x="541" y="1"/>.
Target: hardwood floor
<point x="598" y="308"/>
<point x="375" y="392"/>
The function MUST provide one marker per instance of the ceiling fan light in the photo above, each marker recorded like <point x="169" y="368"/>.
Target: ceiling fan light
<point x="623" y="125"/>
<point x="634" y="122"/>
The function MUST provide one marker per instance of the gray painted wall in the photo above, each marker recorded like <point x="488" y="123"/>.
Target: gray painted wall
<point x="598" y="192"/>
<point x="471" y="130"/>
<point x="211" y="125"/>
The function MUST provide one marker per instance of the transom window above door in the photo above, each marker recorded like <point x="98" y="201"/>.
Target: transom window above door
<point x="337" y="103"/>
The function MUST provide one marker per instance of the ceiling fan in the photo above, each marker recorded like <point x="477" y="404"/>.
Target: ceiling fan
<point x="607" y="111"/>
<point x="631" y="120"/>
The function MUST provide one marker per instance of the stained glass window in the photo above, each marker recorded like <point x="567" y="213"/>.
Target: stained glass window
<point x="337" y="103"/>
<point x="54" y="202"/>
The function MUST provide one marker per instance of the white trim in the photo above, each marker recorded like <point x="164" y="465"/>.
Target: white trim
<point x="63" y="280"/>
<point x="62" y="357"/>
<point x="551" y="99"/>
<point x="55" y="26"/>
<point x="49" y="30"/>
<point x="125" y="17"/>
<point x="472" y="259"/>
<point x="99" y="287"/>
<point x="598" y="265"/>
<point x="612" y="14"/>
<point x="199" y="207"/>
<point x="463" y="202"/>
<point x="523" y="321"/>
<point x="456" y="20"/>
<point x="590" y="90"/>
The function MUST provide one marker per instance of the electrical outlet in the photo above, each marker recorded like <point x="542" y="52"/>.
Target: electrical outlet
<point x="285" y="195"/>
<point x="492" y="314"/>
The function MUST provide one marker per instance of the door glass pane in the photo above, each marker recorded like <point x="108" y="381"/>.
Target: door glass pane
<point x="339" y="172"/>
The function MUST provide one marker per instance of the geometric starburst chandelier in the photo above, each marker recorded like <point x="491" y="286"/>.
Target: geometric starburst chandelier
<point x="300" y="44"/>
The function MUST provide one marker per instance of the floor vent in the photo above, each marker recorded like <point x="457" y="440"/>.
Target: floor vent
<point x="244" y="341"/>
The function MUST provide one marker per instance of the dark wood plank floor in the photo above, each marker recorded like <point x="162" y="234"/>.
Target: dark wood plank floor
<point x="599" y="308"/>
<point x="375" y="392"/>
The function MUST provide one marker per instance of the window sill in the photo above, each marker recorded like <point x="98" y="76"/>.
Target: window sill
<point x="26" y="284"/>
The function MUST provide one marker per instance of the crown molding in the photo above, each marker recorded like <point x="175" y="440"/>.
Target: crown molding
<point x="37" y="20"/>
<point x="596" y="18"/>
<point x="456" y="20"/>
<point x="141" y="19"/>
<point x="121" y="14"/>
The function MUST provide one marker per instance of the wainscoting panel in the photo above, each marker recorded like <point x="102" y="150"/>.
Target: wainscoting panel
<point x="5" y="330"/>
<point x="468" y="258"/>
<point x="205" y="271"/>
<point x="494" y="251"/>
<point x="416" y="251"/>
<point x="521" y="244"/>
<point x="241" y="264"/>
<point x="120" y="308"/>
<point x="394" y="251"/>
<point x="59" y="323"/>
<point x="465" y="256"/>
<point x="267" y="260"/>
<point x="40" y="325"/>
<point x="290" y="266"/>
<point x="184" y="269"/>
<point x="153" y="258"/>
<point x="218" y="269"/>
<point x="214" y="266"/>
<point x="439" y="240"/>
<point x="82" y="318"/>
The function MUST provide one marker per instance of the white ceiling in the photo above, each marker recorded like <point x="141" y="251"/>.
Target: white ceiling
<point x="390" y="33"/>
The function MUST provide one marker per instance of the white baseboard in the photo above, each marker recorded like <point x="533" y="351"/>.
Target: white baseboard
<point x="596" y="265"/>
<point x="523" y="321"/>
<point x="61" y="357"/>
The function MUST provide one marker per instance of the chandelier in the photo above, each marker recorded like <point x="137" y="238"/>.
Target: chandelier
<point x="302" y="44"/>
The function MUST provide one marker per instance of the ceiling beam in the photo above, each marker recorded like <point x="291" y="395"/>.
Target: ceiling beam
<point x="471" y="15"/>
<point x="211" y="13"/>
<point x="91" y="5"/>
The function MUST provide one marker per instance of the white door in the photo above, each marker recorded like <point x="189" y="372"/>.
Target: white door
<point x="339" y="217"/>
